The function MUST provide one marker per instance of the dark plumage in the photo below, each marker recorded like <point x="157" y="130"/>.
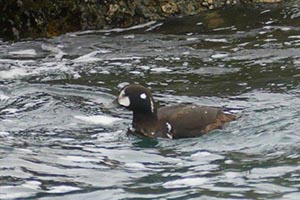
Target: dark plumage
<point x="178" y="121"/>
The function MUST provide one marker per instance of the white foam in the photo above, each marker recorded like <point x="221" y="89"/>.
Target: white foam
<point x="4" y="134"/>
<point x="185" y="182"/>
<point x="144" y="67"/>
<point x="223" y="40"/>
<point x="294" y="37"/>
<point x="185" y="64"/>
<point x="192" y="39"/>
<point x="62" y="189"/>
<point x="34" y="185"/>
<point x="125" y="58"/>
<point x="228" y="161"/>
<point x="132" y="36"/>
<point x="10" y="110"/>
<point x="243" y="44"/>
<point x="14" y="192"/>
<point x="104" y="72"/>
<point x="206" y="156"/>
<point x="27" y="189"/>
<point x="26" y="52"/>
<point x="285" y="28"/>
<point x="3" y="97"/>
<point x="232" y="175"/>
<point x="219" y="55"/>
<point x="54" y="49"/>
<point x="160" y="69"/>
<point x="98" y="119"/>
<point x="15" y="61"/>
<point x="270" y="40"/>
<point x="135" y="72"/>
<point x="90" y="57"/>
<point x="201" y="154"/>
<point x="268" y="27"/>
<point x="13" y="73"/>
<point x="135" y="165"/>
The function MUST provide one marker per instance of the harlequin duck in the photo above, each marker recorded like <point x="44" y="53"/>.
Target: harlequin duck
<point x="177" y="121"/>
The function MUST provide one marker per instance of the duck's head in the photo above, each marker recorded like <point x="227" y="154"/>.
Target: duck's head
<point x="136" y="98"/>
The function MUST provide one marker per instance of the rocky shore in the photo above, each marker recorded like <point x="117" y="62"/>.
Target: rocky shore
<point x="47" y="18"/>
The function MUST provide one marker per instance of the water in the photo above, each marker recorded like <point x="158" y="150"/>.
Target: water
<point x="58" y="140"/>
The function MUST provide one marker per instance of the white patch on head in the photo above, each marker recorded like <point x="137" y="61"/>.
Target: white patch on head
<point x="123" y="100"/>
<point x="143" y="96"/>
<point x="205" y="112"/>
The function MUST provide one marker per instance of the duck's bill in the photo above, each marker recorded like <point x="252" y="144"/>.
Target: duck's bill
<point x="112" y="104"/>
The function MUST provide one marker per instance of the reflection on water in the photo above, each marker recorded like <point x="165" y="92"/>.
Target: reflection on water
<point x="59" y="140"/>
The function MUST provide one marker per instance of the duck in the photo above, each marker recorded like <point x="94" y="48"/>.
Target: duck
<point x="183" y="120"/>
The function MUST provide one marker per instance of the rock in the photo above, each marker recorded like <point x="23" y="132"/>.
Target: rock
<point x="169" y="8"/>
<point x="34" y="19"/>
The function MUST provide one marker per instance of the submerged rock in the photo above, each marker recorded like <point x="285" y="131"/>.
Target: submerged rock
<point x="33" y="19"/>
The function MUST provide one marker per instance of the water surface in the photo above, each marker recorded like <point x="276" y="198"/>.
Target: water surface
<point x="58" y="141"/>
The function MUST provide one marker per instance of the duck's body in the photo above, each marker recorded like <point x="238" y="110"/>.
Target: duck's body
<point x="178" y="121"/>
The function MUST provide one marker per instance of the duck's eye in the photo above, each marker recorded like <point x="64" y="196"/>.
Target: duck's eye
<point x="143" y="96"/>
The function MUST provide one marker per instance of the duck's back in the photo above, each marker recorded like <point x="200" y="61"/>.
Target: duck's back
<point x="188" y="120"/>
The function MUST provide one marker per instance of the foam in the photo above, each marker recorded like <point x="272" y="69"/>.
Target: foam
<point x="14" y="61"/>
<point x="98" y="119"/>
<point x="204" y="155"/>
<point x="219" y="55"/>
<point x="160" y="69"/>
<point x="27" y="189"/>
<point x="135" y="165"/>
<point x="294" y="37"/>
<point x="4" y="134"/>
<point x="192" y="39"/>
<point x="13" y="73"/>
<point x="90" y="57"/>
<point x="10" y="110"/>
<point x="185" y="182"/>
<point x="54" y="49"/>
<point x="26" y="52"/>
<point x="62" y="189"/>
<point x="223" y="40"/>
<point x="3" y="97"/>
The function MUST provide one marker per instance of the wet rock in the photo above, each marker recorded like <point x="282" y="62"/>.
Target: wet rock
<point x="33" y="19"/>
<point x="170" y="8"/>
